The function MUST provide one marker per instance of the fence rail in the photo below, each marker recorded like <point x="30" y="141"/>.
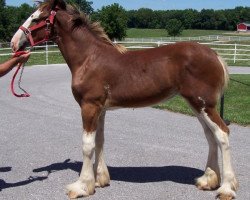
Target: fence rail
<point x="232" y="52"/>
<point x="218" y="38"/>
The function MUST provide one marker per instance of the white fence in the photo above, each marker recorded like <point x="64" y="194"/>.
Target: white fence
<point x="46" y="49"/>
<point x="222" y="38"/>
<point x="231" y="52"/>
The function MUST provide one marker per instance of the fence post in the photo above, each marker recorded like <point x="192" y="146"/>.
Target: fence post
<point x="222" y="110"/>
<point x="235" y="52"/>
<point x="222" y="106"/>
<point x="47" y="54"/>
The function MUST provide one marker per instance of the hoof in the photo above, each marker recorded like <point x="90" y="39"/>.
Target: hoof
<point x="79" y="189"/>
<point x="102" y="180"/>
<point x="209" y="181"/>
<point x="225" y="197"/>
<point x="225" y="193"/>
<point x="73" y="195"/>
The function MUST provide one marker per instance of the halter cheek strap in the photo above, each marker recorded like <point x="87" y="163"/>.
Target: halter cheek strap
<point x="46" y="23"/>
<point x="27" y="32"/>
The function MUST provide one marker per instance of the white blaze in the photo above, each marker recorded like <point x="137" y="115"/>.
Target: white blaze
<point x="19" y="38"/>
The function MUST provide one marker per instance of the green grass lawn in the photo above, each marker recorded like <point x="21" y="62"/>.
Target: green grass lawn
<point x="40" y="58"/>
<point x="162" y="33"/>
<point x="143" y="33"/>
<point x="237" y="101"/>
<point x="53" y="58"/>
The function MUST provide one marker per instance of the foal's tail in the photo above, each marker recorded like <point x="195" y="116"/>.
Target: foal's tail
<point x="226" y="74"/>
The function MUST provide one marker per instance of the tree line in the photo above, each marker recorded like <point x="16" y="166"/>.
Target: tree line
<point x="207" y="19"/>
<point x="115" y="19"/>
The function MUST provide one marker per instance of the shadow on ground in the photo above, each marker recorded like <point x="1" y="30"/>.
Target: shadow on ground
<point x="178" y="174"/>
<point x="4" y="184"/>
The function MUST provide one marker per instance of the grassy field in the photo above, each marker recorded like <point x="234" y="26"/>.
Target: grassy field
<point x="237" y="101"/>
<point x="40" y="58"/>
<point x="220" y="48"/>
<point x="142" y="33"/>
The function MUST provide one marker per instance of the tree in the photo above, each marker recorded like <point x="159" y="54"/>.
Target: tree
<point x="144" y="17"/>
<point x="220" y="20"/>
<point x="3" y="20"/>
<point x="207" y="19"/>
<point x="84" y="6"/>
<point x="114" y="20"/>
<point x="189" y="18"/>
<point x="174" y="27"/>
<point x="11" y="18"/>
<point x="232" y="19"/>
<point x="2" y="3"/>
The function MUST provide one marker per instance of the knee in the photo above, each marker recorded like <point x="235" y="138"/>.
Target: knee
<point x="88" y="143"/>
<point x="222" y="138"/>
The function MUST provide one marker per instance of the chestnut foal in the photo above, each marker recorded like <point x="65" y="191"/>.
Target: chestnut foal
<point x="106" y="76"/>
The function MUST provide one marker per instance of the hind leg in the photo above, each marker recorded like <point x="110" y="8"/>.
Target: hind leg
<point x="220" y="131"/>
<point x="211" y="178"/>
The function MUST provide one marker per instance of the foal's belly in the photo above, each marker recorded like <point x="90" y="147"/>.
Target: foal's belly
<point x="142" y="99"/>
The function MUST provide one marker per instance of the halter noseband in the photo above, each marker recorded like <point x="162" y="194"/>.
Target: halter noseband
<point x="47" y="23"/>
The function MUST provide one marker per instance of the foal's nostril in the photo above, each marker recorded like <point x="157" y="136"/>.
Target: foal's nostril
<point x="12" y="45"/>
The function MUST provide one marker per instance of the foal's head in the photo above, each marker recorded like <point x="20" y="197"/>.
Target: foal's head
<point x="44" y="24"/>
<point x="39" y="27"/>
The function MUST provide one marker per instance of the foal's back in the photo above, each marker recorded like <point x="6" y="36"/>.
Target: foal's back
<point x="146" y="77"/>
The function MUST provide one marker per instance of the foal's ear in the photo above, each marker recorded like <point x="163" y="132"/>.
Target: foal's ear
<point x="53" y="4"/>
<point x="58" y="3"/>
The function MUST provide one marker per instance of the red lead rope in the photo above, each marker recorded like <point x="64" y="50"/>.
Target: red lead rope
<point x="25" y="94"/>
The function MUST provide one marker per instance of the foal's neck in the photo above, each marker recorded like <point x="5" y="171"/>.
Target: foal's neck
<point x="76" y="47"/>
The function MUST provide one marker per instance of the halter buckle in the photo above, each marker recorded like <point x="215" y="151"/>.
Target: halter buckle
<point x="53" y="12"/>
<point x="27" y="32"/>
<point x="47" y="24"/>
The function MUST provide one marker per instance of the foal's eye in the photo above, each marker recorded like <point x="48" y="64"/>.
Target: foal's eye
<point x="35" y="20"/>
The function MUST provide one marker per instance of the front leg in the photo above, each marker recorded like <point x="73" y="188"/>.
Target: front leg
<point x="85" y="185"/>
<point x="102" y="177"/>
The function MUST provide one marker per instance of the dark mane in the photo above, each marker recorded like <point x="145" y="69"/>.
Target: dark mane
<point x="80" y="19"/>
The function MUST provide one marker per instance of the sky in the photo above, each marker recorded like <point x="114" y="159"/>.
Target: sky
<point x="158" y="4"/>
